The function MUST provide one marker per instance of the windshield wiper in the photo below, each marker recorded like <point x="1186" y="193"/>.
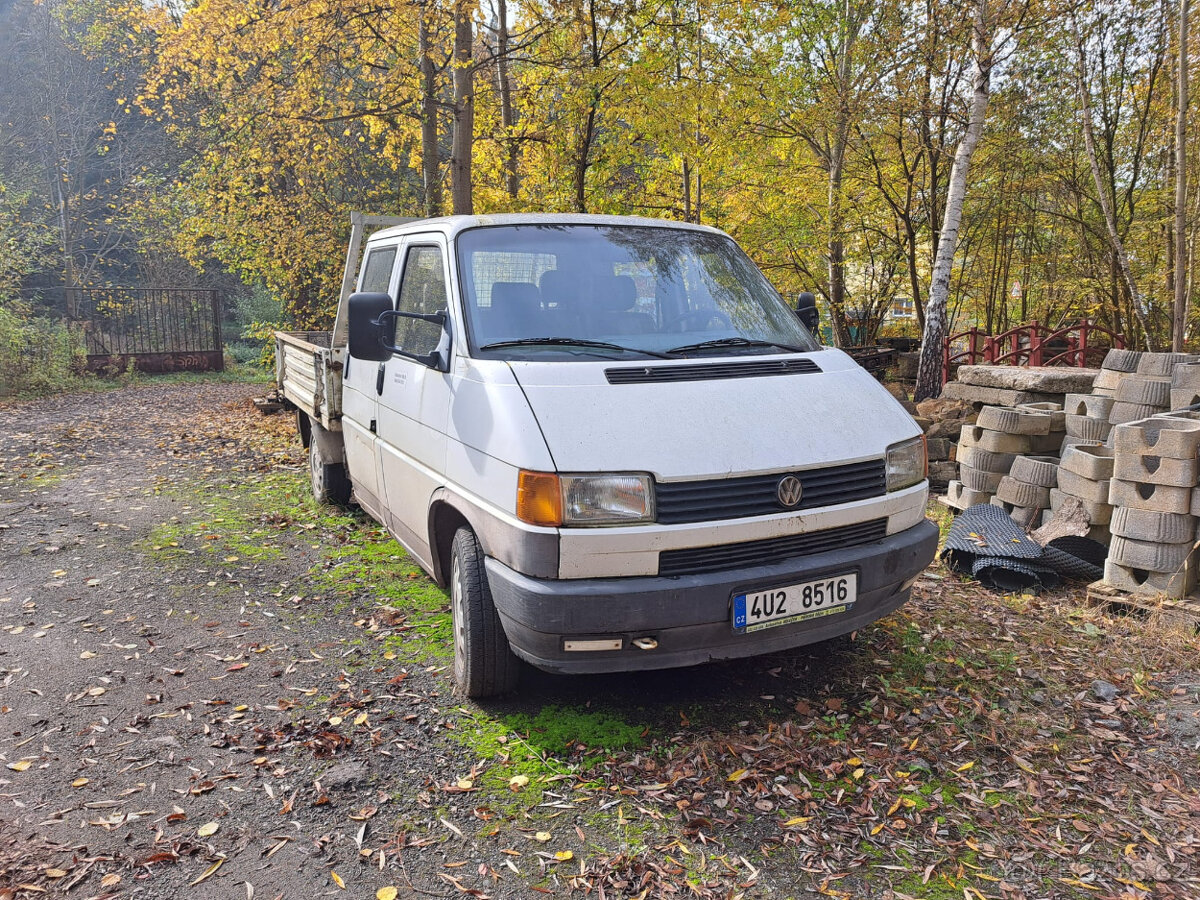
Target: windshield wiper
<point x="571" y="342"/>
<point x="734" y="342"/>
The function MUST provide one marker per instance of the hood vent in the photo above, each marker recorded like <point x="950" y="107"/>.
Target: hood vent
<point x="711" y="371"/>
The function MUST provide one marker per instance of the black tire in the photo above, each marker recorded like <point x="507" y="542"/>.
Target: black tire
<point x="484" y="664"/>
<point x="330" y="483"/>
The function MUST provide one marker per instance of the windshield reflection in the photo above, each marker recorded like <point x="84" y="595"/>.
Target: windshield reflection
<point x="621" y="291"/>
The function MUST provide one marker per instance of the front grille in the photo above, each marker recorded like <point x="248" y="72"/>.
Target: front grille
<point x="755" y="495"/>
<point x="711" y="371"/>
<point x="695" y="560"/>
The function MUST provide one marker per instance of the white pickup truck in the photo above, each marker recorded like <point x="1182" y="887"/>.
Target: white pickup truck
<point x="612" y="440"/>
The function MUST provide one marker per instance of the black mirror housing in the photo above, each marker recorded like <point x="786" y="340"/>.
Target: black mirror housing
<point x="806" y="311"/>
<point x="371" y="339"/>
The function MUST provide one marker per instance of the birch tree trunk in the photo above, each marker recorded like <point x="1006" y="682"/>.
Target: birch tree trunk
<point x="464" y="107"/>
<point x="929" y="372"/>
<point x="1179" y="320"/>
<point x="1106" y="207"/>
<point x="512" y="182"/>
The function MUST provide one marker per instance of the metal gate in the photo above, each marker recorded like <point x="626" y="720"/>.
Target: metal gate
<point x="159" y="329"/>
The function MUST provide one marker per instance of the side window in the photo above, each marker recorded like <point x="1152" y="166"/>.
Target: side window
<point x="422" y="290"/>
<point x="377" y="271"/>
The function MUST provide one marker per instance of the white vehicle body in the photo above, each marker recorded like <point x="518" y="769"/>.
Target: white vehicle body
<point x="709" y="437"/>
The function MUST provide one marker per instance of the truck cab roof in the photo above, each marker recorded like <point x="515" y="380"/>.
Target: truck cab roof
<point x="451" y="226"/>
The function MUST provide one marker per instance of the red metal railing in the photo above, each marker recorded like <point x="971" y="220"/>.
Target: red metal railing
<point x="1031" y="345"/>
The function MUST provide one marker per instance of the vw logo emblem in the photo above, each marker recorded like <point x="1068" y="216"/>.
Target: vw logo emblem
<point x="789" y="491"/>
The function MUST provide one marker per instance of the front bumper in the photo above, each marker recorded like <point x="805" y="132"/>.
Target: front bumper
<point x="690" y="616"/>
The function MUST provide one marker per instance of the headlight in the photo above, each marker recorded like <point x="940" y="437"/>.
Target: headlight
<point x="906" y="463"/>
<point x="553" y="500"/>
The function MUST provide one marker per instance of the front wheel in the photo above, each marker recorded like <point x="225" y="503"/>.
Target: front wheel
<point x="484" y="664"/>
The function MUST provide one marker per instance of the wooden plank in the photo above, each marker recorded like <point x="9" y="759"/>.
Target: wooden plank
<point x="1100" y="593"/>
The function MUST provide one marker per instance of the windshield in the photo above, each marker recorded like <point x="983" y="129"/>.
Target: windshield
<point x="617" y="292"/>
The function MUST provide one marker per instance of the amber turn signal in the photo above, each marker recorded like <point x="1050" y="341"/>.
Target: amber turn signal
<point x="539" y="498"/>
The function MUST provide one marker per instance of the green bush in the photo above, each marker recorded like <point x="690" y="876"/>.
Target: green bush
<point x="250" y="326"/>
<point x="38" y="355"/>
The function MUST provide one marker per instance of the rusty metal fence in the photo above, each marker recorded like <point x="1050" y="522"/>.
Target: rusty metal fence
<point x="157" y="329"/>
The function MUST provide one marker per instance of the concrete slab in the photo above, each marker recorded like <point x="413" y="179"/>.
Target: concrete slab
<point x="958" y="390"/>
<point x="1042" y="379"/>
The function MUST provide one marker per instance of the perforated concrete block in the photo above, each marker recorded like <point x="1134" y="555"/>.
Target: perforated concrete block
<point x="1046" y="444"/>
<point x="1141" y="581"/>
<point x="1020" y="493"/>
<point x="979" y="480"/>
<point x="1158" y="497"/>
<point x="1097" y="513"/>
<point x="1123" y="412"/>
<point x="1087" y="405"/>
<point x="1091" y="461"/>
<point x="962" y="497"/>
<point x="1069" y="442"/>
<point x="1039" y="470"/>
<point x="1186" y="376"/>
<point x="1148" y="390"/>
<point x="1184" y="397"/>
<point x="1083" y="488"/>
<point x="1121" y="360"/>
<point x="985" y="460"/>
<point x="1013" y="421"/>
<point x="1088" y="427"/>
<point x="1157" y="527"/>
<point x="1053" y="410"/>
<point x="1157" y="469"/>
<point x="1161" y="363"/>
<point x="1173" y="437"/>
<point x="1106" y="382"/>
<point x="1155" y="557"/>
<point x="994" y="441"/>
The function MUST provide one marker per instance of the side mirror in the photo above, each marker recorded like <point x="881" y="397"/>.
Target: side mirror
<point x="370" y="340"/>
<point x="806" y="310"/>
<point x="418" y="336"/>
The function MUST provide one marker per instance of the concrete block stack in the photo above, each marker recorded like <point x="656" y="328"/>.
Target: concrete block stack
<point x="1146" y="391"/>
<point x="988" y="450"/>
<point x="1084" y="474"/>
<point x="1156" y="466"/>
<point x="1024" y="493"/>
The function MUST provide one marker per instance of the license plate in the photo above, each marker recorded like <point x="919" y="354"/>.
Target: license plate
<point x="757" y="610"/>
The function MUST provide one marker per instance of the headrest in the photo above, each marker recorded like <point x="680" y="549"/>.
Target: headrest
<point x="520" y="295"/>
<point x="615" y="293"/>
<point x="559" y="287"/>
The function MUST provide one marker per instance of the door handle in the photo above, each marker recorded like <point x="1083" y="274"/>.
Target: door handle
<point x="379" y="380"/>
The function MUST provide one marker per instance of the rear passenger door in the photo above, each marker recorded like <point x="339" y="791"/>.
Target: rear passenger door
<point x="415" y="401"/>
<point x="360" y="398"/>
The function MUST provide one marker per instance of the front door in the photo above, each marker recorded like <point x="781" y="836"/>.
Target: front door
<point x="415" y="401"/>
